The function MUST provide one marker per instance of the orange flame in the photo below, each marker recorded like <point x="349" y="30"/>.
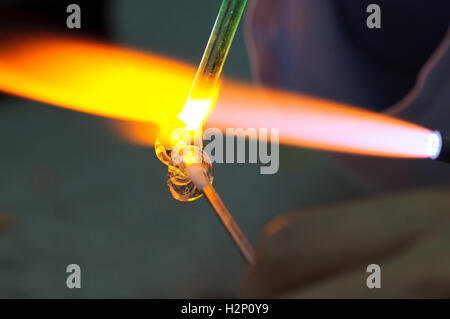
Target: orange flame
<point x="95" y="78"/>
<point x="119" y="83"/>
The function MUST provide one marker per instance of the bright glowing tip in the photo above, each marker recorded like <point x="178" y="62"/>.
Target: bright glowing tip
<point x="434" y="145"/>
<point x="194" y="112"/>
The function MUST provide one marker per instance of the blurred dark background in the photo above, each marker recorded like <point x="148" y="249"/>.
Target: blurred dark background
<point x="71" y="192"/>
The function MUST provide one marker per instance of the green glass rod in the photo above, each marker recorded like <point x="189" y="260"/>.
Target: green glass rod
<point x="204" y="89"/>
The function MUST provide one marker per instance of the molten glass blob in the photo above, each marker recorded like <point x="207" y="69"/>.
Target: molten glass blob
<point x="178" y="159"/>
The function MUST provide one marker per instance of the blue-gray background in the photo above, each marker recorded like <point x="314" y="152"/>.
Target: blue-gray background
<point x="71" y="192"/>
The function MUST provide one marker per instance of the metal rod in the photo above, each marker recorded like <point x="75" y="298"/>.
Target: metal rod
<point x="227" y="220"/>
<point x="199" y="178"/>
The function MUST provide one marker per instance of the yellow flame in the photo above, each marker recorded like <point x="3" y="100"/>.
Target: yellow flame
<point x="194" y="112"/>
<point x="201" y="101"/>
<point x="115" y="82"/>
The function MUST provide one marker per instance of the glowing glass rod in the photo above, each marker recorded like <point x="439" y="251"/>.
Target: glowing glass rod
<point x="199" y="103"/>
<point x="204" y="90"/>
